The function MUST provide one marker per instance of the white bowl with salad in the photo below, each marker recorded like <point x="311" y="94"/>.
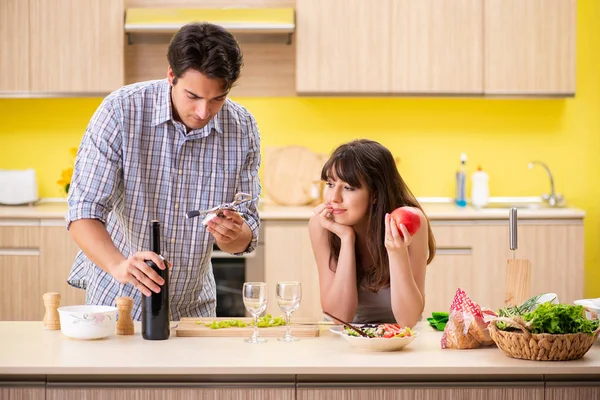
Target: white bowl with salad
<point x="382" y="337"/>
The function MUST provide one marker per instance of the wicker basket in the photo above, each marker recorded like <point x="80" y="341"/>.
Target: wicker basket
<point x="540" y="346"/>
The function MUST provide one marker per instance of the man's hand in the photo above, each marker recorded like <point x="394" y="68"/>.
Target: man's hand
<point x="226" y="229"/>
<point x="135" y="271"/>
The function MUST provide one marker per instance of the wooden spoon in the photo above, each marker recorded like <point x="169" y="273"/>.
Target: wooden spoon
<point x="355" y="329"/>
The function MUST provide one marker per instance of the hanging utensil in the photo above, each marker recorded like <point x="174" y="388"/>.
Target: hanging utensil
<point x="355" y="329"/>
<point x="518" y="271"/>
<point x="238" y="199"/>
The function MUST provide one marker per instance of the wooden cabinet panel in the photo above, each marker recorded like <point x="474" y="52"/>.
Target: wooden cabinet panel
<point x="422" y="393"/>
<point x="556" y="253"/>
<point x="20" y="288"/>
<point x="23" y="393"/>
<point x="58" y="252"/>
<point x="581" y="391"/>
<point x="529" y="46"/>
<point x="14" y="42"/>
<point x="171" y="393"/>
<point x="26" y="236"/>
<point x="76" y="46"/>
<point x="343" y="46"/>
<point x="289" y="257"/>
<point x="436" y="46"/>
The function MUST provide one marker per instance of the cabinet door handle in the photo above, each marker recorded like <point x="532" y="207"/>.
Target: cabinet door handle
<point x="454" y="251"/>
<point x="19" y="252"/>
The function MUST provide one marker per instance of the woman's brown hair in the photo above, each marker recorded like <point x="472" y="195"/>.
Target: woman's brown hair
<point x="368" y="163"/>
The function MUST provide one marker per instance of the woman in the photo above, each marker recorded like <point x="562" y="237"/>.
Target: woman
<point x="370" y="268"/>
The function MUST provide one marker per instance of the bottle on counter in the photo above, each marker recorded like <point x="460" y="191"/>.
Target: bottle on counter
<point x="461" y="198"/>
<point x="155" y="308"/>
<point x="480" y="189"/>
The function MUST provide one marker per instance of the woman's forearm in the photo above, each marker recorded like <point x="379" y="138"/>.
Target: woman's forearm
<point x="342" y="297"/>
<point x="407" y="300"/>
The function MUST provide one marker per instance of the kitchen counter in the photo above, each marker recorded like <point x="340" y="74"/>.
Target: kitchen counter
<point x="435" y="211"/>
<point x="28" y="349"/>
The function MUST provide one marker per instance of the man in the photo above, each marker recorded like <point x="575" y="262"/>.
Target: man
<point x="152" y="151"/>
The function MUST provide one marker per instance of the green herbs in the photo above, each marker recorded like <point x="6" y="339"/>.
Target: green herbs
<point x="438" y="320"/>
<point x="263" y="322"/>
<point x="515" y="311"/>
<point x="559" y="318"/>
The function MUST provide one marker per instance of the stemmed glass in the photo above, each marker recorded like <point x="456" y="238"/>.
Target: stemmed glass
<point x="289" y="295"/>
<point x="255" y="296"/>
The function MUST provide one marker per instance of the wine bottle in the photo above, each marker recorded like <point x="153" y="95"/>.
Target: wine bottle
<point x="155" y="308"/>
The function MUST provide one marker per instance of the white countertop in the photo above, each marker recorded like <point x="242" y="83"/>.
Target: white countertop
<point x="28" y="349"/>
<point x="435" y="211"/>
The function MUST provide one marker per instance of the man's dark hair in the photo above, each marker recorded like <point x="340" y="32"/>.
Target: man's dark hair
<point x="208" y="49"/>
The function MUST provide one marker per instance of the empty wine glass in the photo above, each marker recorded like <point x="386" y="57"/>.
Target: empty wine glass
<point x="289" y="295"/>
<point x="255" y="296"/>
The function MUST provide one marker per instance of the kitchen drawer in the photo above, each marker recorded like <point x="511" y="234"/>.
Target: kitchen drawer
<point x="21" y="297"/>
<point x="22" y="234"/>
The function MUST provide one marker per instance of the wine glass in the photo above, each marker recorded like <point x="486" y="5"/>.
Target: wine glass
<point x="289" y="295"/>
<point x="255" y="296"/>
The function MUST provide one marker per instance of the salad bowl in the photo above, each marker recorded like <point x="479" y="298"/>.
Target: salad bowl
<point x="384" y="337"/>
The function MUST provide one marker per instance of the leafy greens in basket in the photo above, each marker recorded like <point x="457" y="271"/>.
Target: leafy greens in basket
<point x="555" y="319"/>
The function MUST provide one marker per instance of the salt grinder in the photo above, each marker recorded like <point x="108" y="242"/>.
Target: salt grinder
<point x="125" y="323"/>
<point x="51" y="319"/>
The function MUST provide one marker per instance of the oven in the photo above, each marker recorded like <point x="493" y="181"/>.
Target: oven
<point x="230" y="274"/>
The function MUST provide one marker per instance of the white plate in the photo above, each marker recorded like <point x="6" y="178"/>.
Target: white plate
<point x="379" y="344"/>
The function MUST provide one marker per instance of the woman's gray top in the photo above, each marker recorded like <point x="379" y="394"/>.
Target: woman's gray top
<point x="374" y="307"/>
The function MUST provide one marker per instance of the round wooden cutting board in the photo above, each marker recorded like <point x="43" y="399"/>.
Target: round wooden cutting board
<point x="290" y="173"/>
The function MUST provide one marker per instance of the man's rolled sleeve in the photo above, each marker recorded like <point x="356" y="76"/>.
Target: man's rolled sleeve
<point x="97" y="173"/>
<point x="250" y="182"/>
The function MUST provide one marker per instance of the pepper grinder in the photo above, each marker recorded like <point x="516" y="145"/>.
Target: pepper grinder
<point x="125" y="323"/>
<point x="51" y="319"/>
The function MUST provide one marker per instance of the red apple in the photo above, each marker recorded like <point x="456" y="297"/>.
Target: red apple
<point x="408" y="217"/>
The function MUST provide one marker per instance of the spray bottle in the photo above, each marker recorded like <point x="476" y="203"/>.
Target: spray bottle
<point x="461" y="198"/>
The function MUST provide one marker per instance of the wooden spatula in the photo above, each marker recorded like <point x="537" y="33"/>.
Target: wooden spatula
<point x="518" y="271"/>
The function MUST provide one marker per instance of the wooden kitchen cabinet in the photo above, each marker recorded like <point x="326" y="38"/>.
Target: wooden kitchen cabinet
<point x="343" y="46"/>
<point x="168" y="393"/>
<point x="23" y="391"/>
<point x="579" y="390"/>
<point x="35" y="257"/>
<point x="435" y="46"/>
<point x="389" y="46"/>
<point x="19" y="271"/>
<point x="463" y="392"/>
<point x="14" y="40"/>
<point x="529" y="46"/>
<point x="76" y="46"/>
<point x="59" y="251"/>
<point x="289" y="257"/>
<point x="476" y="47"/>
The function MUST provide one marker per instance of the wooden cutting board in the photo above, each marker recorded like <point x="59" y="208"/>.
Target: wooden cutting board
<point x="290" y="173"/>
<point x="189" y="327"/>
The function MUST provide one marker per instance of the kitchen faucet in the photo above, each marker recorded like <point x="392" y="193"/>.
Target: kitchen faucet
<point x="553" y="199"/>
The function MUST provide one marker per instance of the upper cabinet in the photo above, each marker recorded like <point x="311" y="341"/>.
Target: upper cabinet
<point x="343" y="46"/>
<point x="76" y="46"/>
<point x="435" y="46"/>
<point x="14" y="39"/>
<point x="470" y="47"/>
<point x="530" y="46"/>
<point x="61" y="47"/>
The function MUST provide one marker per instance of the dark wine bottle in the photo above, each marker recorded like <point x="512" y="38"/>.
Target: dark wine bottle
<point x="155" y="308"/>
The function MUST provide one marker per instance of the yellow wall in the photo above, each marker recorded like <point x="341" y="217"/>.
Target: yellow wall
<point x="427" y="134"/>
